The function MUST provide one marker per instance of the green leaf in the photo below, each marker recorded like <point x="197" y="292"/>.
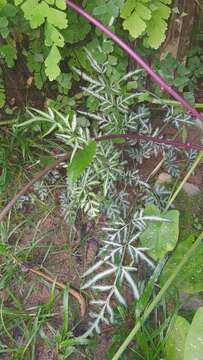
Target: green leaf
<point x="175" y="342"/>
<point x="46" y="160"/>
<point x="190" y="280"/>
<point x="71" y="34"/>
<point x="3" y="249"/>
<point x="135" y="13"/>
<point x="194" y="340"/>
<point x="81" y="160"/>
<point x="57" y="18"/>
<point x="146" y="18"/>
<point x="2" y="3"/>
<point x="18" y="2"/>
<point x="61" y="4"/>
<point x="35" y="12"/>
<point x="53" y="36"/>
<point x="9" y="53"/>
<point x="52" y="69"/>
<point x="160" y="237"/>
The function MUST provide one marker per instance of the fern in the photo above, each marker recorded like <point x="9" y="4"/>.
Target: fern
<point x="146" y="18"/>
<point x="117" y="266"/>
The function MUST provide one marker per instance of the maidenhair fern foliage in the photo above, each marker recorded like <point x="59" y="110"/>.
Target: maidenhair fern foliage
<point x="112" y="185"/>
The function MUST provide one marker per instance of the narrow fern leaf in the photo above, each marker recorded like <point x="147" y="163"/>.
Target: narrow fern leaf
<point x="132" y="284"/>
<point x="93" y="268"/>
<point x="119" y="297"/>
<point x="99" y="277"/>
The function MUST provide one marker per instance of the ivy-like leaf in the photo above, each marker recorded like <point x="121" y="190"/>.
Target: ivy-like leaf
<point x="81" y="160"/>
<point x="52" y="69"/>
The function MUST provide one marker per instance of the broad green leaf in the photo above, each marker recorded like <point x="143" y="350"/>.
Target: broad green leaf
<point x="190" y="280"/>
<point x="81" y="160"/>
<point x="57" y="18"/>
<point x="53" y="36"/>
<point x="52" y="69"/>
<point x="175" y="343"/>
<point x="160" y="237"/>
<point x="194" y="340"/>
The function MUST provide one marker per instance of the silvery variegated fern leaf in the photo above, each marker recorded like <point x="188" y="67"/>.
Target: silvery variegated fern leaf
<point x="117" y="266"/>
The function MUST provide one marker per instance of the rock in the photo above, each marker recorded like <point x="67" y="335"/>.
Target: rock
<point x="191" y="189"/>
<point x="164" y="178"/>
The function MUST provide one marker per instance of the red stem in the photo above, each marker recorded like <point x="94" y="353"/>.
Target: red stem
<point x="138" y="59"/>
<point x="156" y="140"/>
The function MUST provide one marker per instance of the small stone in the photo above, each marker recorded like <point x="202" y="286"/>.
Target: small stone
<point x="191" y="189"/>
<point x="164" y="178"/>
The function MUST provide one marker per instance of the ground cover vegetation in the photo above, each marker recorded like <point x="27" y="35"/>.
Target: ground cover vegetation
<point x="101" y="180"/>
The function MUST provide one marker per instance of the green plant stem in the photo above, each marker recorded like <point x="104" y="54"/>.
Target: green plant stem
<point x="171" y="102"/>
<point x="195" y="164"/>
<point x="8" y="122"/>
<point x="157" y="299"/>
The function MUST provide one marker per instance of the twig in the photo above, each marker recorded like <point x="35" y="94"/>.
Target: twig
<point x="60" y="285"/>
<point x="75" y="293"/>
<point x="43" y="172"/>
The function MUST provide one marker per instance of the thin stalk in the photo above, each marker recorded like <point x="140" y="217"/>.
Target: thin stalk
<point x="195" y="164"/>
<point x="7" y="122"/>
<point x="154" y="139"/>
<point x="157" y="299"/>
<point x="171" y="102"/>
<point x="136" y="57"/>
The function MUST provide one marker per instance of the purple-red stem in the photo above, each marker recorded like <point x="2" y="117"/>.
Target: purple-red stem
<point x="156" y="140"/>
<point x="162" y="83"/>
